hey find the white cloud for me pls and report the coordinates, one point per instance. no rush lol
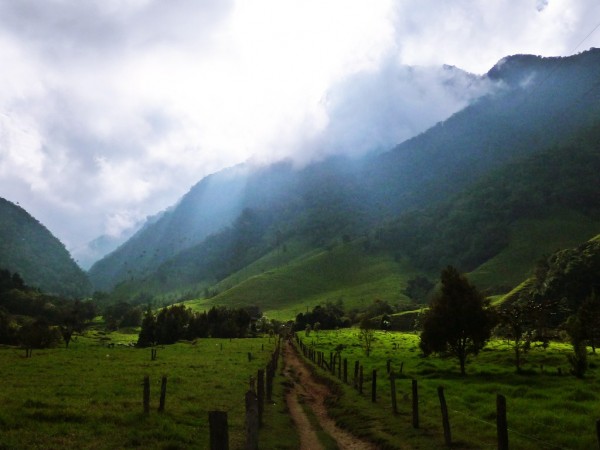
(111, 109)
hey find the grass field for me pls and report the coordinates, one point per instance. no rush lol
(90, 396)
(545, 409)
(345, 272)
(529, 241)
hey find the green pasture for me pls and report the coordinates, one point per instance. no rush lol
(530, 240)
(90, 395)
(546, 409)
(344, 272)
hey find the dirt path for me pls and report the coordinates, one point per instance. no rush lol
(306, 387)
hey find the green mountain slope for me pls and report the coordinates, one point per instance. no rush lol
(346, 272)
(529, 241)
(551, 188)
(28, 248)
(454, 195)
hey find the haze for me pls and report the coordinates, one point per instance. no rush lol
(111, 110)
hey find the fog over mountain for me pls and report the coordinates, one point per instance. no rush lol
(111, 110)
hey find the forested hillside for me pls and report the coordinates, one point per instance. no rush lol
(28, 248)
(449, 195)
(474, 225)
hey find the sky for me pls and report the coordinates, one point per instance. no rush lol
(110, 110)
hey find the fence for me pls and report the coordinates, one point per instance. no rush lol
(259, 392)
(337, 366)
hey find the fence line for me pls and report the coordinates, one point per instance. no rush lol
(317, 357)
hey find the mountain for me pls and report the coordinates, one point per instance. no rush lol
(233, 219)
(28, 248)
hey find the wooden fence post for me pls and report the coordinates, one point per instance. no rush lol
(270, 375)
(345, 370)
(340, 367)
(445, 419)
(415, 404)
(146, 394)
(393, 392)
(219, 434)
(374, 386)
(501, 422)
(260, 393)
(163, 394)
(251, 421)
(360, 380)
(355, 380)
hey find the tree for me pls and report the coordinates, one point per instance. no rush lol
(458, 322)
(366, 335)
(147, 336)
(518, 323)
(578, 359)
(589, 317)
(73, 318)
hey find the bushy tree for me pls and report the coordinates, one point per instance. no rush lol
(458, 322)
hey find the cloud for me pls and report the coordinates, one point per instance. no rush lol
(111, 109)
(375, 110)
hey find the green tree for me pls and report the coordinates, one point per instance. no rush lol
(366, 335)
(578, 359)
(458, 322)
(517, 324)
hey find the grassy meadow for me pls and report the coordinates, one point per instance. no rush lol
(545, 409)
(90, 396)
(344, 272)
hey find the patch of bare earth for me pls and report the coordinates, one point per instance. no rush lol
(313, 394)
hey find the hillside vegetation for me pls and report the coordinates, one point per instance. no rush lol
(346, 272)
(462, 193)
(28, 248)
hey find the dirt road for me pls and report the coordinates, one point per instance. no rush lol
(306, 389)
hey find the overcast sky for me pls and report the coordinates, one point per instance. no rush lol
(110, 110)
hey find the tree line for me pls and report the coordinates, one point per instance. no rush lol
(177, 322)
(32, 319)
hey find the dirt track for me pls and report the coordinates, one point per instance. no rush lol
(312, 393)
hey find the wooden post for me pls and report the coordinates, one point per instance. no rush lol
(269, 388)
(163, 394)
(346, 370)
(374, 386)
(360, 380)
(415, 404)
(393, 392)
(388, 365)
(331, 362)
(251, 421)
(146, 394)
(445, 419)
(401, 366)
(355, 380)
(501, 423)
(340, 367)
(219, 434)
(260, 393)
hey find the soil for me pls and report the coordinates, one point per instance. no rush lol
(306, 389)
